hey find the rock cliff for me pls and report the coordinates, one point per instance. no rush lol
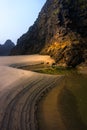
(5, 49)
(60, 31)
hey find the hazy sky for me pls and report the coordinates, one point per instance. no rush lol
(16, 16)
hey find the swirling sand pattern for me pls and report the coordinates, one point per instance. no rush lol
(20, 91)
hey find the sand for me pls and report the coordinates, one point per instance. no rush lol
(21, 90)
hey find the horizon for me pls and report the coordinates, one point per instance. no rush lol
(16, 17)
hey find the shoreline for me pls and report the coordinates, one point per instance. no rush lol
(13, 114)
(30, 91)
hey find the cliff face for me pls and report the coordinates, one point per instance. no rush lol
(5, 49)
(60, 31)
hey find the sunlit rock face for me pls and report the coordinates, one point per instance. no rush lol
(60, 31)
(5, 49)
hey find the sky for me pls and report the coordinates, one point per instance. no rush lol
(16, 16)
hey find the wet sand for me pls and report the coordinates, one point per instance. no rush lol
(34, 101)
(64, 107)
(20, 92)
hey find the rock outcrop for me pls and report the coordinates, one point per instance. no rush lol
(6, 48)
(60, 31)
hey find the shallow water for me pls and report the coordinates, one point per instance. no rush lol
(65, 106)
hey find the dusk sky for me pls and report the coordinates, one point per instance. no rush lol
(16, 16)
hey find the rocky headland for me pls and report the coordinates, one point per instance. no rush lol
(60, 31)
(5, 49)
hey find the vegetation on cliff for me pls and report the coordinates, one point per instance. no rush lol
(60, 31)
